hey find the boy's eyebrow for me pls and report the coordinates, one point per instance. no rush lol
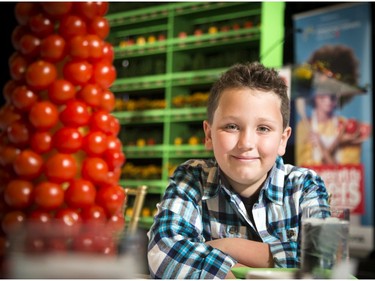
(259, 119)
(262, 119)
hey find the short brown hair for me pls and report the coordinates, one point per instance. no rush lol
(253, 75)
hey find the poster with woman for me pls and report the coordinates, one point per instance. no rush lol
(333, 103)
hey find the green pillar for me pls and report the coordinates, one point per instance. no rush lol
(272, 34)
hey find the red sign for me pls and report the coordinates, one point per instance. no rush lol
(345, 185)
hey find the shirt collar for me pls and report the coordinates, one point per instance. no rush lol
(274, 184)
(213, 181)
(273, 187)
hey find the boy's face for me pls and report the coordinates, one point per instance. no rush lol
(246, 136)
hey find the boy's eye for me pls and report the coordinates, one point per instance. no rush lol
(263, 129)
(231, 127)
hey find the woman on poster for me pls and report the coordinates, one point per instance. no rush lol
(325, 137)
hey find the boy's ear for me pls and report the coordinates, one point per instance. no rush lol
(284, 141)
(207, 133)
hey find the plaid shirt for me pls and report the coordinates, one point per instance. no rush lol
(197, 207)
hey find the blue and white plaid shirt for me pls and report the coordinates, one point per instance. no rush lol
(197, 207)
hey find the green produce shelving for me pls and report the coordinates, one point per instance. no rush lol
(159, 54)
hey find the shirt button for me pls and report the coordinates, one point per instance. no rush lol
(232, 230)
(290, 233)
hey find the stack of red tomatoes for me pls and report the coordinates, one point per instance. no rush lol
(60, 157)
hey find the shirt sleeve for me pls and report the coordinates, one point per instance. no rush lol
(177, 247)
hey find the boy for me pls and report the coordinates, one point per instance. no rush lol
(242, 208)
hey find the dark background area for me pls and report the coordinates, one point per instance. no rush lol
(8, 24)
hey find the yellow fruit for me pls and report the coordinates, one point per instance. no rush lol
(141, 142)
(178, 141)
(212, 30)
(193, 140)
(141, 40)
(129, 212)
(146, 212)
(151, 39)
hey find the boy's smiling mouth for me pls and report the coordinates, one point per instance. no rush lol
(245, 158)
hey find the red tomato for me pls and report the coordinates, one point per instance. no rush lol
(18, 133)
(8, 154)
(68, 222)
(30, 45)
(23, 98)
(18, 65)
(17, 34)
(85, 242)
(106, 244)
(8, 115)
(78, 72)
(72, 25)
(93, 215)
(75, 114)
(79, 48)
(80, 194)
(8, 89)
(111, 198)
(113, 176)
(60, 168)
(364, 130)
(90, 10)
(61, 91)
(114, 158)
(24, 10)
(104, 74)
(41, 25)
(91, 94)
(351, 126)
(57, 9)
(107, 101)
(116, 223)
(13, 222)
(41, 141)
(99, 26)
(44, 115)
(94, 169)
(28, 164)
(53, 48)
(95, 143)
(115, 126)
(114, 143)
(67, 140)
(18, 194)
(108, 54)
(40, 74)
(48, 195)
(102, 120)
(40, 220)
(95, 46)
(34, 244)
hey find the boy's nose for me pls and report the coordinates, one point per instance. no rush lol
(246, 140)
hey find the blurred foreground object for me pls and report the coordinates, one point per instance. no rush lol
(90, 252)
